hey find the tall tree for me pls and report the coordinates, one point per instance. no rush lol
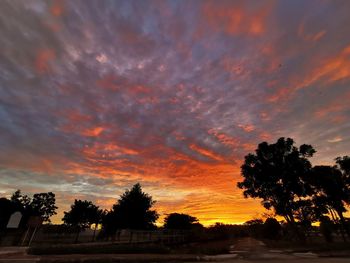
(43, 204)
(133, 210)
(276, 174)
(331, 190)
(179, 221)
(81, 215)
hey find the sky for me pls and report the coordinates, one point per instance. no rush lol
(96, 96)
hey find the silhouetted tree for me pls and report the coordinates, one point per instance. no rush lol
(331, 190)
(82, 215)
(252, 222)
(179, 221)
(133, 211)
(276, 174)
(43, 204)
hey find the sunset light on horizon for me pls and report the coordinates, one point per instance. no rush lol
(96, 96)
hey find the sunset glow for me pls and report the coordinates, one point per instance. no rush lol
(96, 96)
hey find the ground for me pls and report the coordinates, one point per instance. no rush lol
(243, 251)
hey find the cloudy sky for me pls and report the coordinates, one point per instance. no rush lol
(98, 95)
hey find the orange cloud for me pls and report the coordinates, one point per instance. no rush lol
(265, 136)
(73, 121)
(310, 36)
(247, 127)
(43, 59)
(264, 116)
(281, 93)
(224, 138)
(57, 8)
(249, 147)
(115, 83)
(107, 82)
(330, 70)
(237, 19)
(205, 152)
(339, 104)
(93, 132)
(107, 149)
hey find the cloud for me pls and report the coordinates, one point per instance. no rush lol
(95, 97)
(237, 18)
(336, 139)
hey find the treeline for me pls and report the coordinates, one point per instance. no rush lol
(133, 210)
(281, 175)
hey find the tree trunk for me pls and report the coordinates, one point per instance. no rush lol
(343, 224)
(294, 226)
(77, 236)
(336, 221)
(333, 215)
(287, 219)
(93, 236)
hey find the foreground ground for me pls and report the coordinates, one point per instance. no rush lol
(244, 250)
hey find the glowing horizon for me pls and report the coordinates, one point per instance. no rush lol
(95, 97)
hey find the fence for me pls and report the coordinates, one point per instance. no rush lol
(23, 237)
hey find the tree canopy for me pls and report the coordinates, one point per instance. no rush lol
(282, 176)
(43, 204)
(132, 211)
(276, 173)
(179, 221)
(82, 214)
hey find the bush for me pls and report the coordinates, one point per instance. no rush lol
(271, 229)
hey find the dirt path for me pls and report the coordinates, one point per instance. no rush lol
(249, 245)
(250, 248)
